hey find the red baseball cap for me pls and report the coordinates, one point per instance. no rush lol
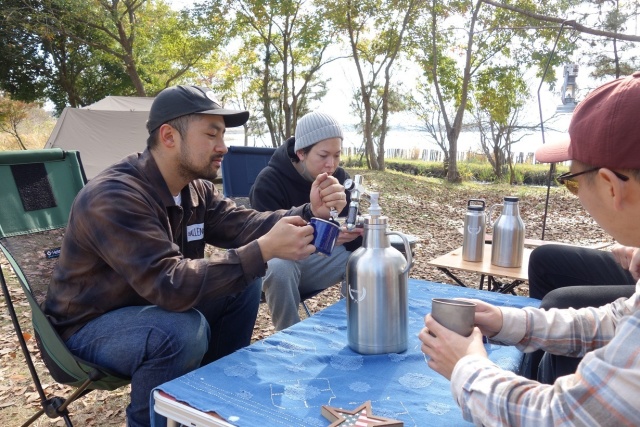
(604, 129)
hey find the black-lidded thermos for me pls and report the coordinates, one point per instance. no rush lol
(474, 228)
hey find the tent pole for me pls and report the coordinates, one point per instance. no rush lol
(551, 167)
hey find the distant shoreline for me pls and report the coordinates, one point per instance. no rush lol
(410, 139)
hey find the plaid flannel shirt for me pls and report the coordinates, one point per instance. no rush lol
(604, 391)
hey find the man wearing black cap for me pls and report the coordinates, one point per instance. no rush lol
(604, 149)
(132, 291)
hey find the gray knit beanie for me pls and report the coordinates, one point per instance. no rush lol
(315, 127)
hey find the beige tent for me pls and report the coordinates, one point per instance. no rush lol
(122, 103)
(110, 129)
(103, 132)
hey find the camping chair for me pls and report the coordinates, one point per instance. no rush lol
(37, 188)
(240, 167)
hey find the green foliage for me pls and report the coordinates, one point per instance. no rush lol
(353, 162)
(614, 58)
(77, 52)
(500, 93)
(290, 39)
(378, 33)
(468, 67)
(266, 55)
(501, 90)
(22, 63)
(172, 46)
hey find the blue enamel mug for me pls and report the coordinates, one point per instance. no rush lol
(325, 234)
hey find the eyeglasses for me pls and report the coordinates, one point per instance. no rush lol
(569, 179)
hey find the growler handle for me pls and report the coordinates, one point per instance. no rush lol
(491, 212)
(407, 249)
(476, 200)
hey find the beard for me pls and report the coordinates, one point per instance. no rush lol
(189, 170)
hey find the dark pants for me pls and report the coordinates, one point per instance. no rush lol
(570, 277)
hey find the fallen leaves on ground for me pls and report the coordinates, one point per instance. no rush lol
(425, 208)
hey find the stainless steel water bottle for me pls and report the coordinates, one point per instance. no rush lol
(473, 234)
(507, 248)
(377, 301)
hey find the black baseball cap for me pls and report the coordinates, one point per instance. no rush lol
(178, 101)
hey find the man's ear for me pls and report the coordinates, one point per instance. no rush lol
(616, 188)
(167, 135)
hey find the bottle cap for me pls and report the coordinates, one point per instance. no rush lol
(374, 208)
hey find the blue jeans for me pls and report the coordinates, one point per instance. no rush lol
(153, 346)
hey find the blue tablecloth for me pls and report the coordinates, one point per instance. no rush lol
(285, 379)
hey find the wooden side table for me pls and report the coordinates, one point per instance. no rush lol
(453, 261)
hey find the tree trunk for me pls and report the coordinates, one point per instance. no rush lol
(132, 72)
(370, 154)
(266, 104)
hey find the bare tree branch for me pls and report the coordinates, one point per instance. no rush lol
(568, 23)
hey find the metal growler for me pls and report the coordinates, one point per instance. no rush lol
(377, 301)
(507, 248)
(473, 234)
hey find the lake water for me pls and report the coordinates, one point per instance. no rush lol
(414, 139)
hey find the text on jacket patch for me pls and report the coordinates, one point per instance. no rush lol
(195, 232)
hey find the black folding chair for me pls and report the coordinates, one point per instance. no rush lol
(37, 188)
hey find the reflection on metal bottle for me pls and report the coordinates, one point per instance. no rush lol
(474, 227)
(377, 295)
(508, 235)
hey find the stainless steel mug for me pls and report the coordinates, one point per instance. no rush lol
(455, 315)
(507, 248)
(474, 228)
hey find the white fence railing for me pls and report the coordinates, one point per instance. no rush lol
(431, 155)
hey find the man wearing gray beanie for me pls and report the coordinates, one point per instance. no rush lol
(286, 181)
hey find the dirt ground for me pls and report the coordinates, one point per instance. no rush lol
(425, 208)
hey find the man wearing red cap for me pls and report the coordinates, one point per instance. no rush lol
(605, 175)
(132, 291)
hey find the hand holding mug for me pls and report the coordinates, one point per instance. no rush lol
(290, 238)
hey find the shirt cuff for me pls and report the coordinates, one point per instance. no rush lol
(514, 326)
(253, 265)
(465, 372)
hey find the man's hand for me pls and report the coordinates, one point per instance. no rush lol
(326, 193)
(290, 238)
(346, 236)
(628, 258)
(446, 348)
(488, 317)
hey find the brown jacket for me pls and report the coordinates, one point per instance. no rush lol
(128, 244)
